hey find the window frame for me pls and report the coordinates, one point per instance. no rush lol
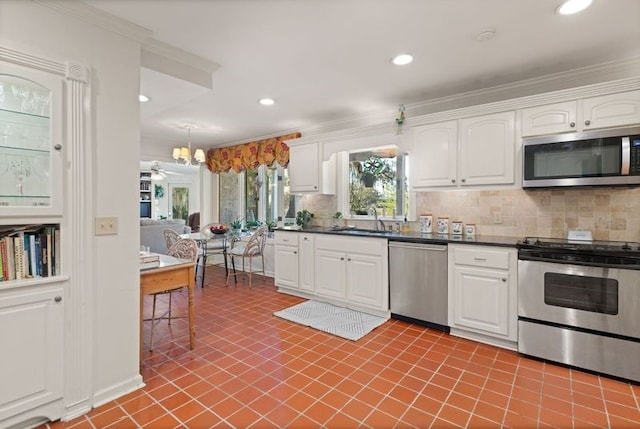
(263, 193)
(343, 180)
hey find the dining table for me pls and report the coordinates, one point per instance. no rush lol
(210, 244)
(170, 274)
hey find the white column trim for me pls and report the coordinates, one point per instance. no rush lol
(80, 211)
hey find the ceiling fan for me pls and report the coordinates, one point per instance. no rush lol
(159, 173)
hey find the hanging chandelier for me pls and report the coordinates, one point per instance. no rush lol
(183, 154)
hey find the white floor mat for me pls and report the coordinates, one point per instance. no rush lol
(340, 321)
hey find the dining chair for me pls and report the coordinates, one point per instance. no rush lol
(216, 244)
(252, 248)
(184, 249)
(170, 237)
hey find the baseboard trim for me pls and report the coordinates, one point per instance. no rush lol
(103, 396)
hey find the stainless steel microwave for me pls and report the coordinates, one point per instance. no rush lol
(592, 158)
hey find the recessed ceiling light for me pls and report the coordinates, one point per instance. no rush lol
(143, 98)
(266, 101)
(570, 7)
(402, 59)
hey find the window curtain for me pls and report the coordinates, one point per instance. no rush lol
(249, 156)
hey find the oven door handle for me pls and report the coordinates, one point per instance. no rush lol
(581, 263)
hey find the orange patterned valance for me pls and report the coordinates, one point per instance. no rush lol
(249, 156)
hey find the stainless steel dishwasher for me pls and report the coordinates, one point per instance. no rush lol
(418, 283)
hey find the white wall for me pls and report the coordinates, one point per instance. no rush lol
(189, 180)
(115, 66)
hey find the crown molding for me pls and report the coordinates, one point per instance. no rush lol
(590, 75)
(98, 18)
(333, 139)
(563, 81)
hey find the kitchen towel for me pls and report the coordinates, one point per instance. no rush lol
(340, 321)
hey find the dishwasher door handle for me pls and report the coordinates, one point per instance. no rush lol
(437, 247)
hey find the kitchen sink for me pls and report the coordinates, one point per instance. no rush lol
(362, 230)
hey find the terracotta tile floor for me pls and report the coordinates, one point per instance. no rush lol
(251, 369)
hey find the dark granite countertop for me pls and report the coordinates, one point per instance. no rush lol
(412, 236)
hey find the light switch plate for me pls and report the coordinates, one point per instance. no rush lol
(106, 225)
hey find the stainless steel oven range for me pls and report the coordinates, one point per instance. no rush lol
(579, 304)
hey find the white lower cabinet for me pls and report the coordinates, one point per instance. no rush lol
(482, 294)
(354, 270)
(331, 279)
(31, 374)
(293, 254)
(346, 271)
(306, 268)
(365, 274)
(286, 259)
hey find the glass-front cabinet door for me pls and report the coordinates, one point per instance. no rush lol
(30, 142)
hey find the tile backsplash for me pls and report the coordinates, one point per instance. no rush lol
(610, 213)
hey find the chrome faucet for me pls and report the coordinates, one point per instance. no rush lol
(373, 212)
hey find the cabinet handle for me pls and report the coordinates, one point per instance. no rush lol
(453, 180)
(315, 187)
(342, 259)
(504, 279)
(464, 180)
(349, 259)
(572, 124)
(285, 240)
(305, 238)
(295, 253)
(587, 122)
(480, 259)
(57, 146)
(57, 298)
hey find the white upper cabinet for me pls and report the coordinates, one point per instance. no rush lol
(487, 149)
(614, 110)
(308, 172)
(433, 157)
(550, 119)
(31, 151)
(473, 151)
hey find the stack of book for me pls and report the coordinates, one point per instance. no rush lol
(29, 251)
(149, 260)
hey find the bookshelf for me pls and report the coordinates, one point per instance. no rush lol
(29, 252)
(145, 194)
(33, 280)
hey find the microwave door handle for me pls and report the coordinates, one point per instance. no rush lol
(626, 156)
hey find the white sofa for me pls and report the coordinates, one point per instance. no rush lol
(152, 232)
